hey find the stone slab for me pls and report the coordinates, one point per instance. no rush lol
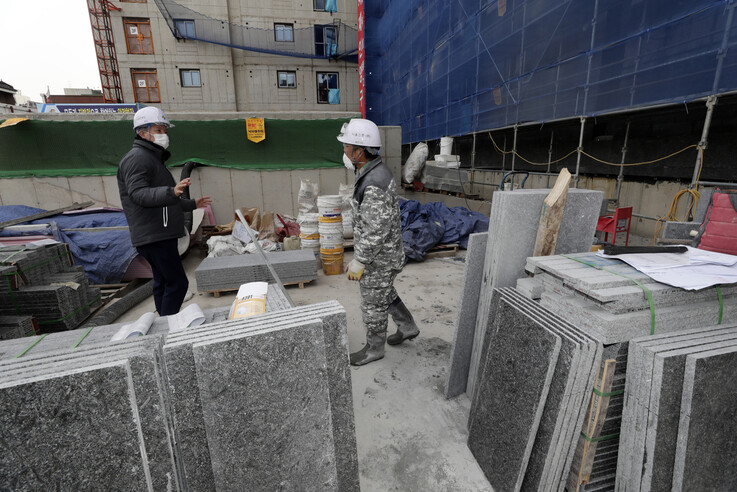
(272, 429)
(465, 326)
(514, 220)
(706, 453)
(521, 362)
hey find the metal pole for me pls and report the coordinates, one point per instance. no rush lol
(580, 149)
(514, 146)
(473, 153)
(620, 176)
(550, 154)
(263, 256)
(711, 101)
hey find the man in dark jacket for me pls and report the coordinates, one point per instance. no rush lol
(378, 253)
(153, 206)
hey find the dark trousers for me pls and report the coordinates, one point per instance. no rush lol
(170, 280)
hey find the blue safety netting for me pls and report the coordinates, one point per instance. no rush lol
(332, 40)
(426, 226)
(453, 67)
(104, 254)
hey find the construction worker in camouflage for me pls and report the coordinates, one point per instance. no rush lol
(378, 254)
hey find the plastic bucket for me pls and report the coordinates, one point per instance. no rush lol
(331, 233)
(332, 260)
(330, 205)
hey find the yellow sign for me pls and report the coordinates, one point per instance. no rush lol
(255, 129)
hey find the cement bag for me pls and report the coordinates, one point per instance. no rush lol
(307, 197)
(415, 163)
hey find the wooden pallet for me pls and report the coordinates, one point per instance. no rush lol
(111, 293)
(219, 292)
(442, 251)
(451, 193)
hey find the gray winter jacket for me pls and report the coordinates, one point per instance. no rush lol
(377, 227)
(146, 188)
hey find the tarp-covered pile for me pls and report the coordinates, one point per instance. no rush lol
(105, 254)
(425, 226)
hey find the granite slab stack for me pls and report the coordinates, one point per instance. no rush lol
(465, 325)
(261, 403)
(679, 427)
(290, 426)
(41, 282)
(229, 272)
(87, 419)
(530, 403)
(443, 178)
(82, 337)
(514, 220)
(17, 327)
(604, 299)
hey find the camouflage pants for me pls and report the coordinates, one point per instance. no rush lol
(377, 293)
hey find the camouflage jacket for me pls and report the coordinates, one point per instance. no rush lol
(377, 227)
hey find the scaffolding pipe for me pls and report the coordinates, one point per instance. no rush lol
(473, 153)
(514, 147)
(711, 101)
(579, 150)
(620, 176)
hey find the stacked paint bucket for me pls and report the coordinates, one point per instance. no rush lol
(330, 225)
(309, 234)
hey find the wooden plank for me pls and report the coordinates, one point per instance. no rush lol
(43, 215)
(552, 215)
(219, 292)
(583, 459)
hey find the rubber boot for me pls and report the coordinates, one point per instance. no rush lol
(373, 350)
(406, 327)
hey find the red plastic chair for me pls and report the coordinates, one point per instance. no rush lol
(612, 224)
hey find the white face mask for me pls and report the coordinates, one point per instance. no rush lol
(161, 139)
(347, 162)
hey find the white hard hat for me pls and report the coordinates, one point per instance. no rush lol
(150, 116)
(363, 133)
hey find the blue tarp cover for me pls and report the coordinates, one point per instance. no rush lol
(425, 226)
(105, 255)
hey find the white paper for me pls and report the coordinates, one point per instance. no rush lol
(696, 269)
(136, 329)
(240, 232)
(188, 317)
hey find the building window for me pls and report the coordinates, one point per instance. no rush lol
(287, 79)
(327, 88)
(185, 28)
(190, 78)
(138, 36)
(326, 41)
(325, 5)
(284, 32)
(146, 85)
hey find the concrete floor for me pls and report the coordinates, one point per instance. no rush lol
(409, 437)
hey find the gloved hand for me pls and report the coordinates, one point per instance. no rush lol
(355, 270)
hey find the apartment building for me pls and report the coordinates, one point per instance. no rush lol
(230, 55)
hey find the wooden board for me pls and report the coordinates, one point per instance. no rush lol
(552, 215)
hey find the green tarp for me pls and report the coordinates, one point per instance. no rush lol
(94, 148)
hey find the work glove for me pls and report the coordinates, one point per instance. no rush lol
(355, 270)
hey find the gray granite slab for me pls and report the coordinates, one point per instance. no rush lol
(506, 411)
(706, 453)
(514, 221)
(465, 326)
(266, 408)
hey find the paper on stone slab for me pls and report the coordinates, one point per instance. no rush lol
(188, 317)
(136, 329)
(250, 300)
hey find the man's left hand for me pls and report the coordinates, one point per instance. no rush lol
(355, 270)
(203, 202)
